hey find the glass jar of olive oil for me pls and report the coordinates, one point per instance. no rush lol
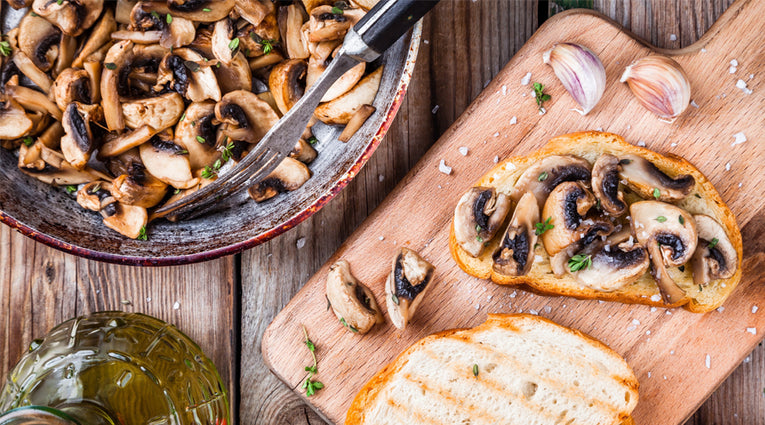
(114, 368)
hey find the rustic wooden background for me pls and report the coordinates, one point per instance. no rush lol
(226, 304)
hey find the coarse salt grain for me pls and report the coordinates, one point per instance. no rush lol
(599, 129)
(435, 109)
(648, 332)
(754, 309)
(748, 359)
(727, 167)
(478, 306)
(656, 298)
(442, 167)
(672, 145)
(653, 309)
(148, 299)
(672, 352)
(708, 361)
(300, 243)
(504, 90)
(673, 37)
(176, 305)
(513, 294)
(496, 159)
(742, 85)
(694, 104)
(463, 150)
(732, 70)
(526, 79)
(533, 312)
(738, 138)
(649, 374)
(426, 41)
(752, 331)
(538, 258)
(641, 143)
(496, 134)
(720, 309)
(703, 50)
(733, 62)
(631, 328)
(635, 322)
(547, 309)
(513, 120)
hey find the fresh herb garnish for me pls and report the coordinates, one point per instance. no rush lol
(579, 262)
(192, 66)
(95, 188)
(661, 219)
(183, 117)
(71, 188)
(177, 191)
(28, 141)
(201, 139)
(266, 45)
(59, 2)
(234, 44)
(542, 177)
(142, 234)
(169, 18)
(181, 152)
(226, 152)
(656, 193)
(479, 238)
(395, 299)
(475, 370)
(313, 140)
(206, 9)
(544, 226)
(701, 288)
(5, 48)
(209, 173)
(155, 15)
(697, 195)
(540, 96)
(713, 243)
(681, 219)
(309, 385)
(478, 228)
(336, 10)
(110, 65)
(344, 323)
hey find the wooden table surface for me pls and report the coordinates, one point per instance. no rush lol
(226, 304)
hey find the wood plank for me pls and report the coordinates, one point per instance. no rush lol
(267, 288)
(421, 201)
(41, 287)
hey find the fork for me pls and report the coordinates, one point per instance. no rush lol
(382, 26)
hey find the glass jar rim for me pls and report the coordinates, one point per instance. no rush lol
(36, 415)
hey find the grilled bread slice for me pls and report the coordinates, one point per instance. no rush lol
(512, 369)
(703, 199)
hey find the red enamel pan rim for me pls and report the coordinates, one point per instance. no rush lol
(238, 247)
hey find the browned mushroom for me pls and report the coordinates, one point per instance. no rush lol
(14, 122)
(287, 83)
(72, 17)
(79, 142)
(159, 112)
(648, 181)
(288, 176)
(72, 85)
(408, 283)
(351, 301)
(515, 254)
(198, 135)
(138, 187)
(477, 218)
(167, 161)
(98, 38)
(244, 116)
(341, 110)
(39, 41)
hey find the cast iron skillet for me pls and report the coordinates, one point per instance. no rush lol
(53, 217)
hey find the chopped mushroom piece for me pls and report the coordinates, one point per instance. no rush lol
(96, 196)
(49, 166)
(291, 22)
(605, 185)
(245, 116)
(159, 112)
(352, 302)
(138, 187)
(254, 11)
(14, 122)
(118, 145)
(358, 119)
(234, 76)
(39, 41)
(515, 254)
(31, 71)
(478, 216)
(342, 109)
(33, 100)
(128, 220)
(568, 210)
(287, 83)
(79, 142)
(325, 25)
(303, 152)
(614, 264)
(223, 46)
(715, 257)
(406, 287)
(72, 17)
(198, 135)
(288, 176)
(543, 176)
(167, 161)
(205, 11)
(72, 85)
(98, 38)
(185, 71)
(648, 181)
(669, 234)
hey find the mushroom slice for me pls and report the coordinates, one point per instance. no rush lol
(407, 284)
(346, 82)
(648, 181)
(477, 217)
(159, 112)
(566, 210)
(515, 254)
(352, 302)
(543, 176)
(79, 142)
(234, 76)
(288, 176)
(127, 220)
(138, 37)
(167, 161)
(178, 33)
(97, 196)
(39, 41)
(28, 68)
(669, 234)
(138, 187)
(324, 25)
(72, 85)
(222, 46)
(254, 11)
(287, 83)
(184, 70)
(100, 36)
(303, 152)
(204, 11)
(605, 185)
(341, 110)
(120, 144)
(49, 166)
(119, 56)
(72, 17)
(33, 100)
(612, 264)
(245, 116)
(715, 256)
(291, 22)
(357, 120)
(197, 134)
(14, 122)
(51, 137)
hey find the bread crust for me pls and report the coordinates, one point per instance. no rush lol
(589, 145)
(376, 386)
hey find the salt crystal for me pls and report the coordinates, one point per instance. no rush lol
(526, 79)
(489, 297)
(738, 138)
(380, 177)
(653, 309)
(740, 184)
(720, 309)
(599, 129)
(672, 145)
(442, 167)
(727, 167)
(733, 62)
(672, 37)
(513, 120)
(655, 298)
(478, 306)
(435, 109)
(513, 294)
(631, 328)
(548, 309)
(703, 50)
(426, 41)
(649, 374)
(708, 361)
(382, 238)
(496, 159)
(648, 332)
(148, 299)
(635, 321)
(601, 302)
(463, 150)
(751, 76)
(300, 243)
(694, 104)
(742, 85)
(538, 259)
(641, 143)
(496, 134)
(754, 309)
(732, 70)
(176, 306)
(672, 352)
(748, 359)
(752, 331)
(504, 90)
(533, 312)
(665, 377)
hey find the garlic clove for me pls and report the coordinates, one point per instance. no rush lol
(660, 84)
(580, 71)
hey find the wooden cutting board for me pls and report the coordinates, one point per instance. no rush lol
(679, 357)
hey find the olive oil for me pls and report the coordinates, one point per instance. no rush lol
(117, 368)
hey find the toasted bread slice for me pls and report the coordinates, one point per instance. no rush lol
(703, 199)
(512, 369)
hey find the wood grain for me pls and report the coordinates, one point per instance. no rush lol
(667, 350)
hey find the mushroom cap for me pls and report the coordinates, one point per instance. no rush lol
(198, 135)
(351, 301)
(72, 85)
(543, 176)
(96, 196)
(645, 178)
(254, 11)
(243, 109)
(515, 254)
(168, 162)
(235, 75)
(567, 209)
(615, 263)
(128, 220)
(408, 282)
(202, 83)
(138, 187)
(289, 175)
(14, 122)
(715, 257)
(79, 142)
(159, 113)
(287, 83)
(605, 185)
(223, 33)
(478, 216)
(39, 40)
(71, 17)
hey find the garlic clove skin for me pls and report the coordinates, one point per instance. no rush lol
(580, 71)
(660, 84)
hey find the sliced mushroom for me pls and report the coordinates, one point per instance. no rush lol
(614, 263)
(648, 181)
(204, 11)
(406, 287)
(515, 254)
(260, 40)
(159, 112)
(287, 83)
(234, 76)
(244, 116)
(198, 135)
(715, 257)
(72, 85)
(124, 142)
(66, 52)
(97, 196)
(605, 185)
(118, 57)
(346, 82)
(31, 71)
(51, 137)
(254, 11)
(33, 100)
(49, 166)
(303, 152)
(167, 161)
(669, 234)
(183, 71)
(138, 187)
(222, 37)
(100, 36)
(79, 141)
(72, 17)
(355, 123)
(478, 216)
(324, 25)
(341, 110)
(352, 302)
(291, 22)
(39, 41)
(288, 176)
(14, 122)
(127, 220)
(178, 33)
(566, 210)
(543, 176)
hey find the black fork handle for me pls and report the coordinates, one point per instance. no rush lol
(385, 23)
